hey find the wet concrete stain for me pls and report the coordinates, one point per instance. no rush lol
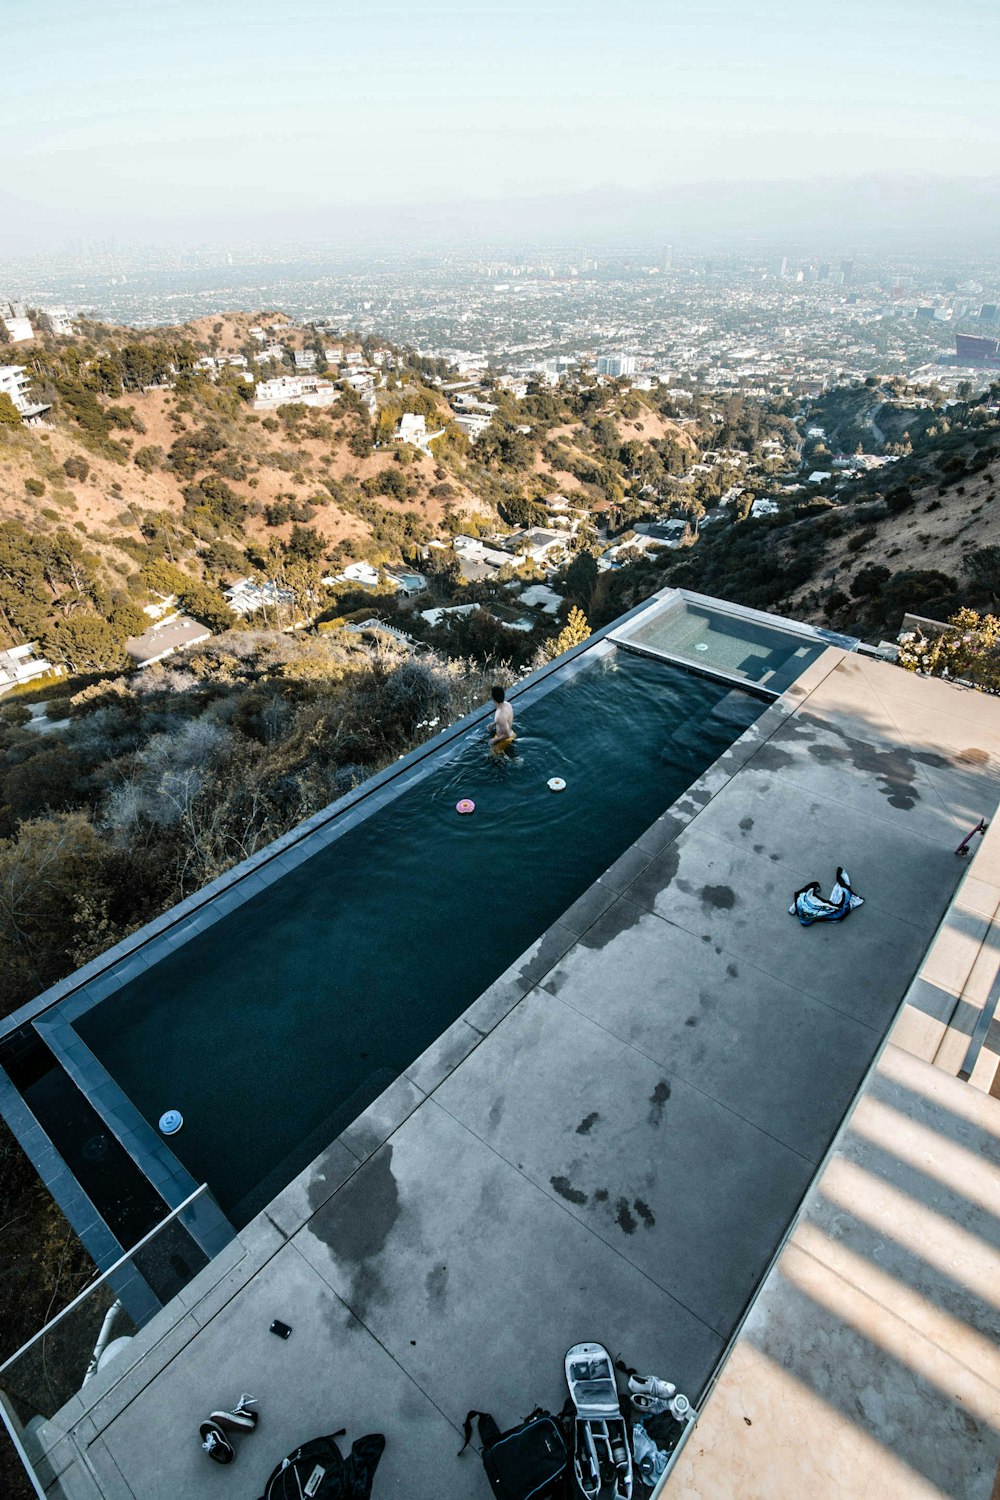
(624, 1218)
(732, 971)
(565, 1189)
(645, 1213)
(720, 897)
(758, 848)
(665, 866)
(658, 876)
(746, 824)
(657, 1101)
(706, 937)
(601, 1195)
(770, 758)
(619, 918)
(357, 1238)
(894, 769)
(587, 1124)
(436, 1285)
(692, 1021)
(549, 950)
(490, 1203)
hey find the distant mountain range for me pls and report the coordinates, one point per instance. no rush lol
(892, 210)
(914, 212)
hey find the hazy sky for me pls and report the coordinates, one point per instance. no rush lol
(180, 118)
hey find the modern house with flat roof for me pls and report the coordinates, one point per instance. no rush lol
(758, 1158)
(307, 390)
(14, 382)
(161, 640)
(19, 664)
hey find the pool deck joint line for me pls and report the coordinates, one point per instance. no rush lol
(613, 1142)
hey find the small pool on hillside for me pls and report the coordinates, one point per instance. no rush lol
(283, 1015)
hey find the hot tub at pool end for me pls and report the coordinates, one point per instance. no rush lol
(759, 651)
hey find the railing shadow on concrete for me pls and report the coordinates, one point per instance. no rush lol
(91, 1339)
(884, 1310)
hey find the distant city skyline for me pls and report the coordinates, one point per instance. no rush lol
(185, 121)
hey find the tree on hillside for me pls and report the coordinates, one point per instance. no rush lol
(574, 633)
(518, 510)
(983, 567)
(207, 604)
(9, 414)
(306, 543)
(83, 643)
(579, 579)
(43, 872)
(606, 436)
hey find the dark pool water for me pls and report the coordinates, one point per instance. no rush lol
(271, 1030)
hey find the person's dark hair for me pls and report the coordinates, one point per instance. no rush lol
(497, 694)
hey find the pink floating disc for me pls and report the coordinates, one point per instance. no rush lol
(465, 806)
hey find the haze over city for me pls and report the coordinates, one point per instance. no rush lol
(184, 123)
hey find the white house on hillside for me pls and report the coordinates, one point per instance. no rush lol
(245, 597)
(14, 382)
(536, 542)
(308, 390)
(412, 429)
(57, 320)
(19, 330)
(362, 573)
(19, 664)
(473, 424)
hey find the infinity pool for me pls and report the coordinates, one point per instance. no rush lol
(274, 1027)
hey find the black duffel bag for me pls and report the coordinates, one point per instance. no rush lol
(319, 1471)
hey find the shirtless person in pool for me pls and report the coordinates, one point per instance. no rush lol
(502, 728)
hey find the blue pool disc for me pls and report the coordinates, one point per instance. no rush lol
(171, 1121)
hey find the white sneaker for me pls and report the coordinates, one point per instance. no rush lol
(649, 1406)
(650, 1385)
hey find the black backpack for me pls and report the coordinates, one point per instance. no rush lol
(530, 1462)
(319, 1471)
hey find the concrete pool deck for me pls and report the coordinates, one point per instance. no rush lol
(612, 1143)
